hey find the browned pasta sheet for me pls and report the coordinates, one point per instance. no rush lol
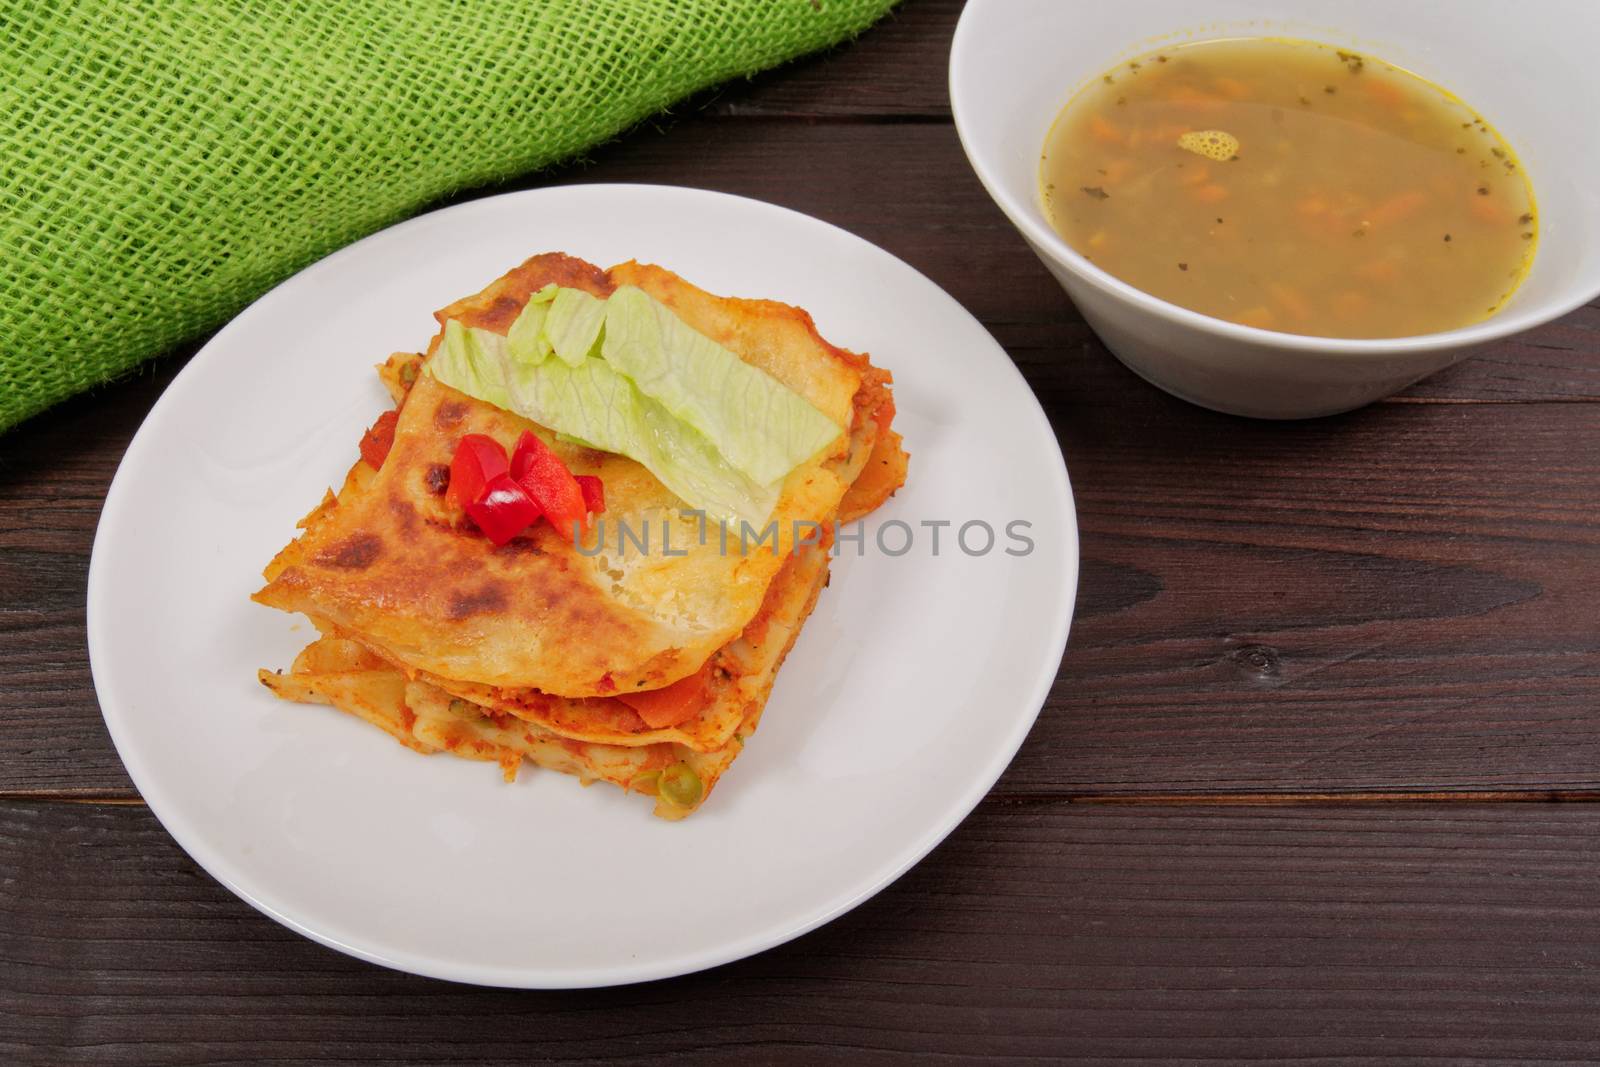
(516, 652)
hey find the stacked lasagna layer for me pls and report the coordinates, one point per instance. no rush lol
(641, 653)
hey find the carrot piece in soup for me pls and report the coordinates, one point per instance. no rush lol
(1116, 170)
(1260, 317)
(1385, 92)
(1291, 299)
(1191, 99)
(1379, 271)
(1311, 206)
(1351, 304)
(1397, 208)
(1487, 210)
(1232, 88)
(1104, 131)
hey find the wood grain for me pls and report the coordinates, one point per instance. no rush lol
(1038, 931)
(1280, 627)
(1398, 599)
(895, 72)
(1402, 599)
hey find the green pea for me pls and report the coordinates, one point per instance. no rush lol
(679, 785)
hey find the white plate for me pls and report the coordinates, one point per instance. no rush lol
(908, 692)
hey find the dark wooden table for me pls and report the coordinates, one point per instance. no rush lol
(1297, 792)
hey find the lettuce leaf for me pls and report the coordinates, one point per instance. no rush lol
(758, 424)
(593, 403)
(631, 377)
(473, 361)
(573, 325)
(527, 339)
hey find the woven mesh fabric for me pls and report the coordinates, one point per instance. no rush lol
(163, 162)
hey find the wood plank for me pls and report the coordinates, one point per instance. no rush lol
(1402, 599)
(54, 473)
(1399, 598)
(894, 71)
(1040, 930)
(1414, 577)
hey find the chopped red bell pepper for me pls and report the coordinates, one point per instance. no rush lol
(377, 441)
(547, 480)
(504, 510)
(594, 492)
(478, 460)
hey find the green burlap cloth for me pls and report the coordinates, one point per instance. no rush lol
(164, 162)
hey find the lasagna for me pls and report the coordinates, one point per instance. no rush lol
(639, 646)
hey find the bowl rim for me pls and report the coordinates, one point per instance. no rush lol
(1047, 241)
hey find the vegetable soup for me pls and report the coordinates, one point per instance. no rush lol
(1293, 187)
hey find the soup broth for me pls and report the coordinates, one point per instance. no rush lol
(1293, 187)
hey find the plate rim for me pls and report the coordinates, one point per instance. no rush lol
(168, 811)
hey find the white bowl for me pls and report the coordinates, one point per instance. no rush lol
(1529, 69)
